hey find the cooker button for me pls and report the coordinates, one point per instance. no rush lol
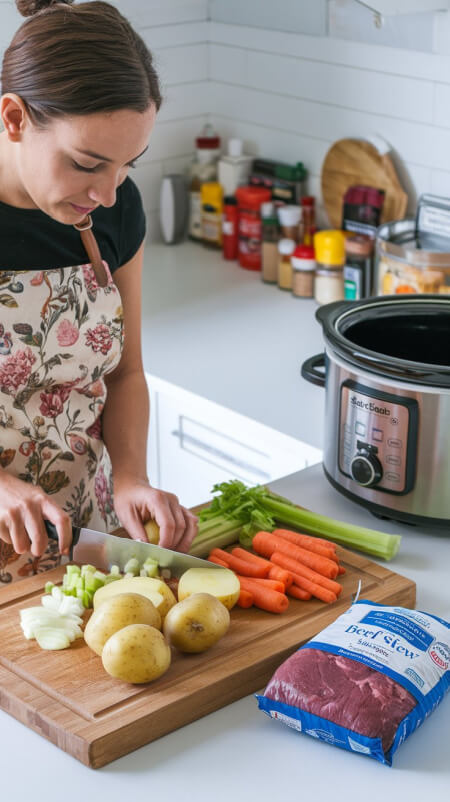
(377, 435)
(392, 477)
(366, 470)
(393, 460)
(360, 427)
(394, 443)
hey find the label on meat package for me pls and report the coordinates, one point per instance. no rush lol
(411, 647)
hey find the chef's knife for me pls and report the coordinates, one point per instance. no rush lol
(103, 551)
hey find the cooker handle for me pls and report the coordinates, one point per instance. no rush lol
(309, 370)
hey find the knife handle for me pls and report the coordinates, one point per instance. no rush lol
(52, 533)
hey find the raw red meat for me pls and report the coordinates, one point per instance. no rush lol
(343, 691)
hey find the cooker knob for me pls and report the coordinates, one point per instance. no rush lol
(366, 469)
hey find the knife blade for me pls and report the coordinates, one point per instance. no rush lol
(104, 550)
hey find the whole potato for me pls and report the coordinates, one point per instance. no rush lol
(137, 653)
(196, 623)
(118, 612)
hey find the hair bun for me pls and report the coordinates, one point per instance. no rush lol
(27, 8)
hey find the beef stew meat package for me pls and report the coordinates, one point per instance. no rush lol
(367, 681)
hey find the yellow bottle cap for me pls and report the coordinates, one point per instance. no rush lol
(330, 247)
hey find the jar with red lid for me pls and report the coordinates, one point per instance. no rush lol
(303, 262)
(249, 200)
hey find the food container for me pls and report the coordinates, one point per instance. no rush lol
(413, 255)
(304, 266)
(249, 201)
(330, 257)
(286, 248)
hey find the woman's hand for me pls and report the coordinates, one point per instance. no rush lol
(23, 508)
(135, 502)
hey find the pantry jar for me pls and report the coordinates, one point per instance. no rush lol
(289, 217)
(358, 267)
(329, 247)
(286, 248)
(270, 256)
(304, 266)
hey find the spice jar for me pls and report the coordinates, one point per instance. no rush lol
(289, 217)
(250, 229)
(270, 237)
(358, 267)
(212, 201)
(230, 228)
(308, 219)
(286, 248)
(304, 265)
(330, 258)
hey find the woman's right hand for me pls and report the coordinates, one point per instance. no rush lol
(23, 508)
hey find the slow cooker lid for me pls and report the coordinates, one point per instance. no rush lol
(408, 338)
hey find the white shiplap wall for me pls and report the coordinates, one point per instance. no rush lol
(177, 32)
(289, 96)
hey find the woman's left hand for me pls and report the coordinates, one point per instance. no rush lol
(135, 502)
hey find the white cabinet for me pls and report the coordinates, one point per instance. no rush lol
(195, 443)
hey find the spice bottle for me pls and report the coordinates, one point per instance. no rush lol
(204, 168)
(304, 265)
(289, 217)
(234, 167)
(308, 219)
(270, 235)
(230, 228)
(286, 248)
(358, 267)
(250, 228)
(211, 200)
(329, 247)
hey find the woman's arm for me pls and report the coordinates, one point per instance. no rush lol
(125, 430)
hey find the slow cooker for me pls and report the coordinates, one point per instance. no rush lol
(386, 373)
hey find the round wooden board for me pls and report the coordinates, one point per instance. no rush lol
(355, 161)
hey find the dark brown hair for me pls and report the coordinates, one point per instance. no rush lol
(78, 59)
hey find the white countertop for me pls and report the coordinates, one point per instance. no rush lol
(238, 753)
(217, 330)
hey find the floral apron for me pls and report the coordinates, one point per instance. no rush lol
(61, 332)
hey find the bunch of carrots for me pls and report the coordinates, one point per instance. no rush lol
(285, 564)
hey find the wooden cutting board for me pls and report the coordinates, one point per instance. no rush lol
(356, 161)
(67, 697)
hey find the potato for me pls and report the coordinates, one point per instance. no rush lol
(155, 589)
(137, 653)
(196, 623)
(118, 612)
(152, 531)
(219, 582)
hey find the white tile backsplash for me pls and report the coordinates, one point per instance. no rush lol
(288, 95)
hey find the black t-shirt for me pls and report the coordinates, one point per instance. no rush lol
(31, 240)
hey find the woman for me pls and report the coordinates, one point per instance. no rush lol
(80, 96)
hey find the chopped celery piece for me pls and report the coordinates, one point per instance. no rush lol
(93, 582)
(151, 570)
(132, 567)
(49, 587)
(115, 570)
(111, 578)
(88, 569)
(73, 569)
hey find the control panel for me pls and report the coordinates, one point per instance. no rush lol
(377, 438)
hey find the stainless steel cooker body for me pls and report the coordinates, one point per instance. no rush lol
(386, 439)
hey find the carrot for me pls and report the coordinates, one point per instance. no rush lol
(274, 573)
(217, 561)
(341, 570)
(298, 593)
(273, 584)
(265, 598)
(297, 568)
(245, 599)
(240, 566)
(328, 543)
(243, 554)
(307, 542)
(265, 543)
(283, 576)
(318, 591)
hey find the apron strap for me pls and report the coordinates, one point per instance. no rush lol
(92, 250)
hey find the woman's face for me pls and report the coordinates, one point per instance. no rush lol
(75, 164)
